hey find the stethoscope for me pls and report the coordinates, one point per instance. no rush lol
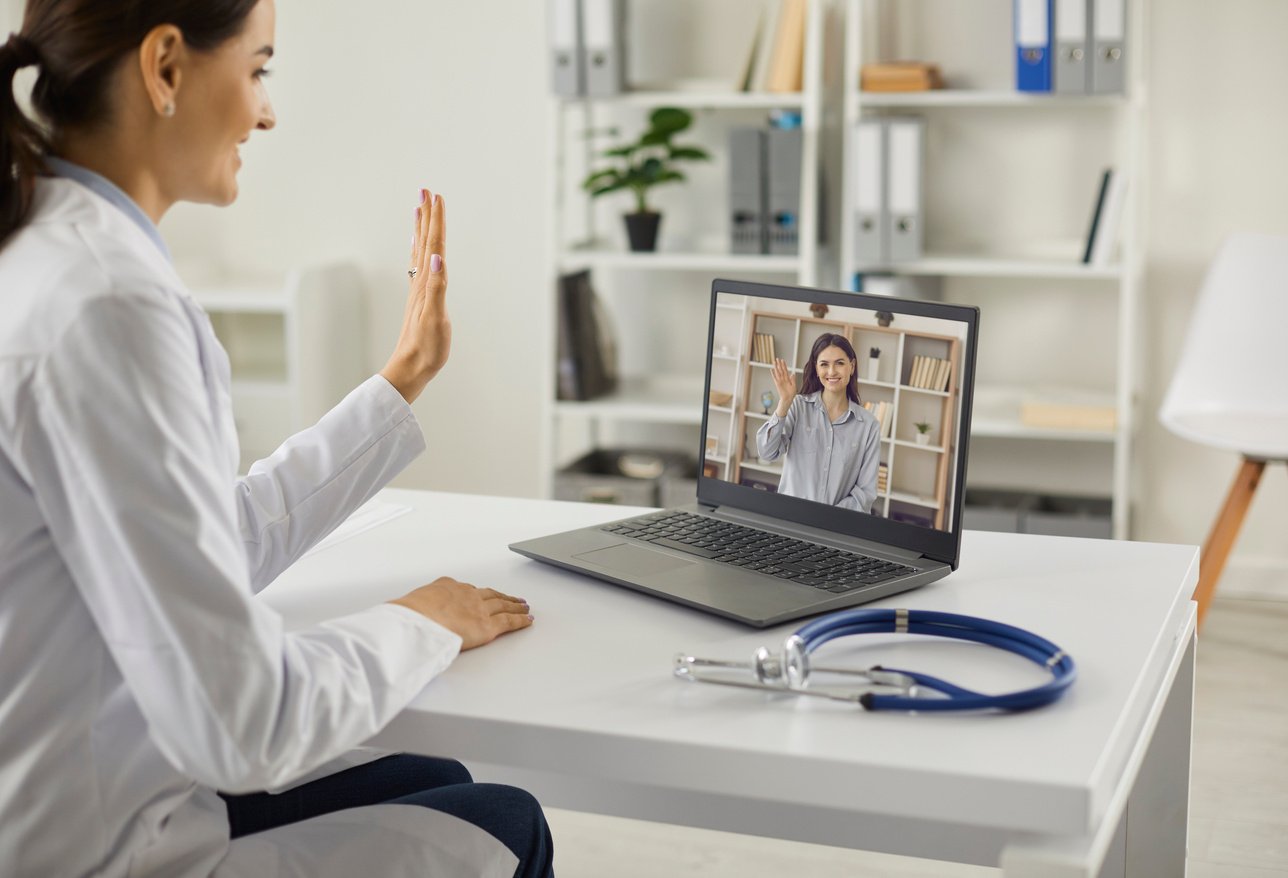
(790, 672)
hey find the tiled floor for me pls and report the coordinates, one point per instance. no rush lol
(1238, 803)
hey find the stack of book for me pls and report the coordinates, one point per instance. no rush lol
(900, 76)
(883, 412)
(762, 348)
(883, 479)
(1069, 409)
(930, 373)
(775, 62)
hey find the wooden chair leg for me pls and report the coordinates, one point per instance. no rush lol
(1225, 530)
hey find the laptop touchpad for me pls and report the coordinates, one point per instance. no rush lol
(632, 559)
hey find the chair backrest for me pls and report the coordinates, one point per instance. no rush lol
(1230, 387)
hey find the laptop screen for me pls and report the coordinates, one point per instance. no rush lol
(839, 410)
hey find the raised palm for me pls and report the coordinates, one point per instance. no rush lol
(785, 383)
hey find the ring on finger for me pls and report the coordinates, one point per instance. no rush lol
(411, 272)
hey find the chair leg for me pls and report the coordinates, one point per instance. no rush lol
(1225, 530)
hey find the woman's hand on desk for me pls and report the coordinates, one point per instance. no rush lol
(478, 615)
(426, 336)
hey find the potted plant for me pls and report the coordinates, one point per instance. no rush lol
(923, 433)
(648, 162)
(874, 363)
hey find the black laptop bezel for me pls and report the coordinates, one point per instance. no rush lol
(939, 545)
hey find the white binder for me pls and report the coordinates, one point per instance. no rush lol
(1072, 72)
(1109, 59)
(870, 248)
(904, 141)
(567, 70)
(604, 24)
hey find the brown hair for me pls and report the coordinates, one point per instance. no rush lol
(810, 382)
(77, 45)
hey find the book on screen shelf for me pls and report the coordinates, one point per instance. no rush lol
(929, 373)
(883, 412)
(763, 348)
(1069, 409)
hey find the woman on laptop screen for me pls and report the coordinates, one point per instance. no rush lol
(830, 441)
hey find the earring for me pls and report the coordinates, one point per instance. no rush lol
(168, 109)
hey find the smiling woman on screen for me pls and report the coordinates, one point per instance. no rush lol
(831, 443)
(148, 699)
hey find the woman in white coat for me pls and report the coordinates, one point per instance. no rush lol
(147, 699)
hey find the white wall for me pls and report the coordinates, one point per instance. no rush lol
(372, 103)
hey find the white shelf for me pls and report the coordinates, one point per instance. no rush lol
(928, 502)
(720, 408)
(758, 415)
(662, 400)
(946, 265)
(925, 391)
(904, 443)
(997, 416)
(712, 261)
(964, 97)
(243, 299)
(727, 357)
(696, 99)
(762, 468)
(887, 384)
(715, 458)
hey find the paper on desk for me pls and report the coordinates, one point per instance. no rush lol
(371, 514)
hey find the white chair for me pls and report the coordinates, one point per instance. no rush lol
(1230, 389)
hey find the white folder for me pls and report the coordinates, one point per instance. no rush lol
(904, 143)
(868, 162)
(1072, 73)
(604, 24)
(1109, 55)
(567, 71)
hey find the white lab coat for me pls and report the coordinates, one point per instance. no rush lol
(138, 673)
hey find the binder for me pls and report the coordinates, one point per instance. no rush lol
(1033, 45)
(904, 140)
(783, 156)
(567, 70)
(603, 26)
(1102, 248)
(1072, 73)
(747, 190)
(1109, 33)
(870, 248)
(1094, 230)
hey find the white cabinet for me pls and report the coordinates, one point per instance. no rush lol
(295, 347)
(658, 302)
(1009, 183)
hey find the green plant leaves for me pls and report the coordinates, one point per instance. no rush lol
(647, 161)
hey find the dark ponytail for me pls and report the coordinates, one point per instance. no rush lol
(21, 142)
(77, 45)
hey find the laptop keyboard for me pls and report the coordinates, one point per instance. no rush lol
(802, 562)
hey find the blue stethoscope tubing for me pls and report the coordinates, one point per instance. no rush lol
(985, 631)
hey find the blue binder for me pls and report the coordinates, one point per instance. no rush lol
(1033, 33)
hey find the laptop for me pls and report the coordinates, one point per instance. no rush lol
(834, 501)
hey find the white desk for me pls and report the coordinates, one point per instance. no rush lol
(582, 709)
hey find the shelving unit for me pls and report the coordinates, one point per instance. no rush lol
(1030, 162)
(295, 349)
(657, 302)
(917, 475)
